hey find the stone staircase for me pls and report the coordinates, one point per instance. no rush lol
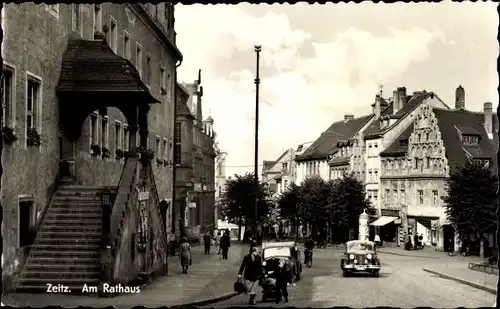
(67, 247)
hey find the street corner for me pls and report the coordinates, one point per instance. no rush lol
(475, 279)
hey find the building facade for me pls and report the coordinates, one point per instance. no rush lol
(53, 62)
(220, 180)
(198, 202)
(416, 166)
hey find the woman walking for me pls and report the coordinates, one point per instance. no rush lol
(217, 241)
(185, 255)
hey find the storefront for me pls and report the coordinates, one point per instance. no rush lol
(387, 226)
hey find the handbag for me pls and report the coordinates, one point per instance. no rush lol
(239, 286)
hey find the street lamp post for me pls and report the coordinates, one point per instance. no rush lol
(257, 49)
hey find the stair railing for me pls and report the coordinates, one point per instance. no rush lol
(114, 220)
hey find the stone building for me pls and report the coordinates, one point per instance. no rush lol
(195, 181)
(87, 87)
(416, 166)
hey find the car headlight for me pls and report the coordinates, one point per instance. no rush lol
(369, 256)
(264, 263)
(351, 256)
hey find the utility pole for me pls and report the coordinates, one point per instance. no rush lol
(257, 49)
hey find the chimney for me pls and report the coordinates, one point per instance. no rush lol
(460, 98)
(376, 107)
(348, 117)
(488, 118)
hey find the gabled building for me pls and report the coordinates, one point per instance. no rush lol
(315, 161)
(415, 167)
(281, 174)
(387, 126)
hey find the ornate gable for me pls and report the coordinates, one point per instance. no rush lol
(426, 152)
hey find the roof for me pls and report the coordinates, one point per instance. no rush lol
(91, 66)
(339, 161)
(326, 144)
(449, 121)
(412, 102)
(268, 165)
(209, 119)
(397, 148)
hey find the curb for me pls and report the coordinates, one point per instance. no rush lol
(466, 282)
(207, 301)
(407, 255)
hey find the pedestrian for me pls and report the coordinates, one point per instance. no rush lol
(377, 239)
(217, 241)
(251, 268)
(225, 243)
(283, 279)
(185, 255)
(207, 242)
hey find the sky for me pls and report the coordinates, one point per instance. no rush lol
(319, 62)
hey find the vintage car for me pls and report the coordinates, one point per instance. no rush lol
(360, 256)
(287, 251)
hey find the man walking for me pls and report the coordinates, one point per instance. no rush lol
(251, 268)
(225, 243)
(207, 242)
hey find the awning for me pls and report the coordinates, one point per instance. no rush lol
(383, 221)
(91, 66)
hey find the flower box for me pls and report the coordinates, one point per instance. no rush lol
(33, 137)
(119, 154)
(105, 152)
(159, 161)
(95, 149)
(146, 154)
(8, 135)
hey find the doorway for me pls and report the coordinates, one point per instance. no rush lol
(449, 238)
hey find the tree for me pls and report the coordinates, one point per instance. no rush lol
(347, 200)
(471, 201)
(238, 200)
(313, 206)
(288, 206)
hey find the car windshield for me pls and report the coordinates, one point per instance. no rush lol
(277, 251)
(359, 246)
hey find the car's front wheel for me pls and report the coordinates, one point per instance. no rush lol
(345, 273)
(376, 274)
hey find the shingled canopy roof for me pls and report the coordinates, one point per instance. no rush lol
(91, 66)
(326, 144)
(374, 129)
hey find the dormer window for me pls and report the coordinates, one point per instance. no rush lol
(403, 142)
(470, 139)
(285, 167)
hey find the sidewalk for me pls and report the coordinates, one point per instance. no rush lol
(427, 252)
(209, 277)
(461, 273)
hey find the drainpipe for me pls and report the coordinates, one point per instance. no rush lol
(178, 64)
(1, 115)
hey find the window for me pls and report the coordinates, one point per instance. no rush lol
(104, 132)
(126, 45)
(113, 40)
(165, 149)
(387, 195)
(163, 80)
(428, 162)
(126, 137)
(93, 129)
(26, 222)
(177, 149)
(375, 195)
(370, 176)
(148, 71)
(285, 167)
(157, 147)
(7, 100)
(286, 183)
(421, 197)
(416, 163)
(395, 196)
(369, 149)
(435, 197)
(403, 142)
(97, 18)
(389, 165)
(426, 137)
(375, 149)
(170, 152)
(138, 59)
(32, 103)
(418, 137)
(375, 172)
(118, 136)
(76, 18)
(402, 196)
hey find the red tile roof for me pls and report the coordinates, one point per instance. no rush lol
(326, 144)
(91, 66)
